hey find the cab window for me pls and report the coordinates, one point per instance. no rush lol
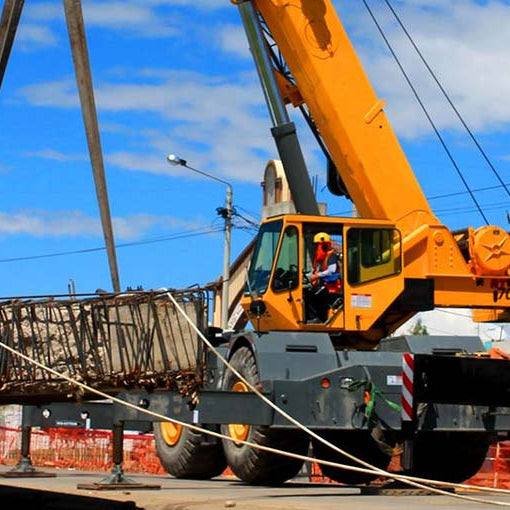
(372, 253)
(286, 269)
(263, 257)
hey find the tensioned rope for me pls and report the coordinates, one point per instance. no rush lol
(304, 458)
(413, 481)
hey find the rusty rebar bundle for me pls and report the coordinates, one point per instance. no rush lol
(112, 342)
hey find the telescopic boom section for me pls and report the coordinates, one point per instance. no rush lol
(346, 110)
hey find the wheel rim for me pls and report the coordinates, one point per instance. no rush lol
(238, 431)
(171, 433)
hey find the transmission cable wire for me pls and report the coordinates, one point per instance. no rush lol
(446, 95)
(180, 235)
(447, 211)
(457, 193)
(423, 107)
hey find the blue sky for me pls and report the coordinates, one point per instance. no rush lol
(175, 76)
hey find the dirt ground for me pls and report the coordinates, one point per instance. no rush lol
(60, 491)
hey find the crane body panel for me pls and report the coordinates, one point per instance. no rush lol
(324, 294)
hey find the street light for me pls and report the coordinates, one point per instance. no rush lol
(226, 214)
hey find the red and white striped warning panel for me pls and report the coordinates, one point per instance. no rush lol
(407, 386)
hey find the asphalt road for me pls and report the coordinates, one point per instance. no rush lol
(61, 491)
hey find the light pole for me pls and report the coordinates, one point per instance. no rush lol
(226, 214)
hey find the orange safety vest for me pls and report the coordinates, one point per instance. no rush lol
(333, 283)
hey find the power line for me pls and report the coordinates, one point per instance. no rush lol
(450, 211)
(449, 312)
(432, 328)
(256, 216)
(425, 111)
(180, 235)
(476, 190)
(438, 197)
(464, 210)
(446, 95)
(467, 208)
(248, 221)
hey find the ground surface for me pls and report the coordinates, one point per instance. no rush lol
(61, 492)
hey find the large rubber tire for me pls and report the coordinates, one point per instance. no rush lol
(449, 457)
(190, 454)
(250, 464)
(359, 443)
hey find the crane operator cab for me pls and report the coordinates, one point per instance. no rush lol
(319, 273)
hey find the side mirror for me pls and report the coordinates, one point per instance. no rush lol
(258, 308)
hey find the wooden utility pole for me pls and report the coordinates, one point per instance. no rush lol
(76, 29)
(8, 25)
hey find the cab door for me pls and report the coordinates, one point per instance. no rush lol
(374, 274)
(284, 299)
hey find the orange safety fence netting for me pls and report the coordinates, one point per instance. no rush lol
(91, 450)
(495, 471)
(315, 473)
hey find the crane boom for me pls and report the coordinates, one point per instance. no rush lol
(349, 115)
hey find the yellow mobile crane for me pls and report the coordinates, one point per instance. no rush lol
(398, 257)
(331, 363)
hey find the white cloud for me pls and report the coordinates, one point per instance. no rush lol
(56, 155)
(137, 225)
(139, 162)
(227, 117)
(181, 97)
(468, 58)
(118, 128)
(44, 223)
(203, 4)
(130, 17)
(454, 322)
(32, 36)
(41, 223)
(43, 11)
(58, 93)
(233, 40)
